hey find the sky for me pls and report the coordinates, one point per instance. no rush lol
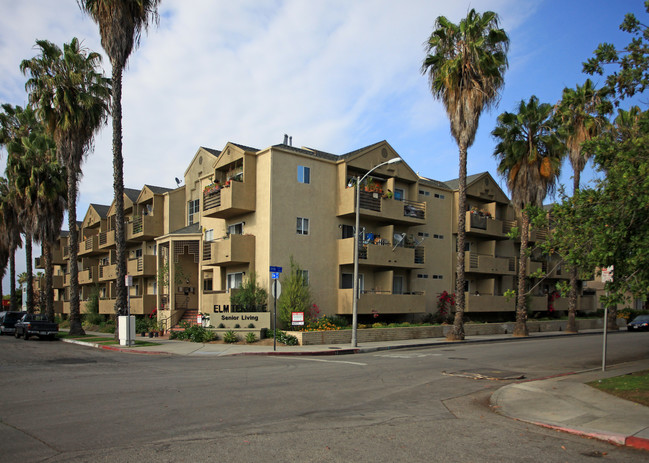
(336, 75)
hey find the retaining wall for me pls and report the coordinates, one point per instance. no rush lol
(308, 338)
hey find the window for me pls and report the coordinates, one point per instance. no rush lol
(235, 280)
(397, 285)
(439, 196)
(305, 277)
(347, 281)
(423, 234)
(422, 275)
(192, 209)
(438, 237)
(138, 253)
(209, 235)
(303, 174)
(348, 231)
(207, 284)
(425, 193)
(302, 226)
(438, 277)
(398, 194)
(235, 229)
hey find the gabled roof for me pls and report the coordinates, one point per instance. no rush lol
(481, 186)
(433, 183)
(132, 193)
(101, 209)
(213, 152)
(158, 190)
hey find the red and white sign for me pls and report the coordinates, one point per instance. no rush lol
(607, 274)
(297, 318)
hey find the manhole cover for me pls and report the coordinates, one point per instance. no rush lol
(499, 375)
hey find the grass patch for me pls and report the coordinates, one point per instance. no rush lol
(633, 387)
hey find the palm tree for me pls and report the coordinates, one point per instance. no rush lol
(19, 173)
(121, 23)
(580, 114)
(11, 229)
(41, 181)
(465, 64)
(529, 152)
(15, 123)
(72, 98)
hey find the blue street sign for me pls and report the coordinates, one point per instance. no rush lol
(275, 269)
(274, 275)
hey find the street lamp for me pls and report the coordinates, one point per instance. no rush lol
(356, 232)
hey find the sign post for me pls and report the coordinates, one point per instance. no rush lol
(607, 276)
(274, 274)
(128, 282)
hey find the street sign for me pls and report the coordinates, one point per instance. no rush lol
(607, 274)
(277, 284)
(297, 318)
(275, 269)
(274, 276)
(128, 280)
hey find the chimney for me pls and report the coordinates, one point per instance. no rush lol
(285, 139)
(290, 141)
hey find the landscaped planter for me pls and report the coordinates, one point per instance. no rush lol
(309, 338)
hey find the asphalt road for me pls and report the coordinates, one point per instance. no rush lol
(63, 402)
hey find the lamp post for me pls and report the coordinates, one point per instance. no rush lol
(356, 232)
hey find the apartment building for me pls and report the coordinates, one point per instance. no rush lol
(242, 210)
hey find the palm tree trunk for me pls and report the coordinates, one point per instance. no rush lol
(30, 271)
(75, 314)
(49, 285)
(118, 187)
(458, 323)
(572, 296)
(520, 329)
(13, 301)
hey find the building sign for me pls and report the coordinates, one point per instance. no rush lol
(231, 308)
(297, 318)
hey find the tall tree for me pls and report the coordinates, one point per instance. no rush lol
(41, 185)
(581, 116)
(529, 154)
(19, 175)
(11, 230)
(466, 65)
(121, 23)
(72, 98)
(15, 123)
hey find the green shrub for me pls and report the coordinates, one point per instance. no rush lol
(193, 333)
(283, 337)
(250, 338)
(221, 325)
(230, 337)
(237, 326)
(251, 325)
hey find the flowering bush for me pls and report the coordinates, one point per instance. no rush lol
(445, 302)
(321, 324)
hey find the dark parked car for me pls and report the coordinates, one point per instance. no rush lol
(36, 324)
(639, 323)
(8, 321)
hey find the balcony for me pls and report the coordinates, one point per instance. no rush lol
(144, 227)
(554, 270)
(479, 263)
(88, 276)
(584, 303)
(382, 302)
(107, 239)
(107, 272)
(143, 304)
(89, 246)
(380, 255)
(375, 205)
(141, 266)
(238, 198)
(482, 225)
(533, 267)
(236, 249)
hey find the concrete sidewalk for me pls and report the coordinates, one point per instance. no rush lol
(564, 403)
(567, 404)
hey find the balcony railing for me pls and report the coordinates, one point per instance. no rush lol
(236, 249)
(385, 255)
(484, 263)
(382, 302)
(237, 198)
(107, 239)
(373, 204)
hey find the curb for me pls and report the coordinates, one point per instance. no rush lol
(113, 348)
(612, 438)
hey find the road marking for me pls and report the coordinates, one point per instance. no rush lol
(330, 361)
(407, 356)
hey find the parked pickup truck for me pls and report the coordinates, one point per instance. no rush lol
(8, 321)
(34, 324)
